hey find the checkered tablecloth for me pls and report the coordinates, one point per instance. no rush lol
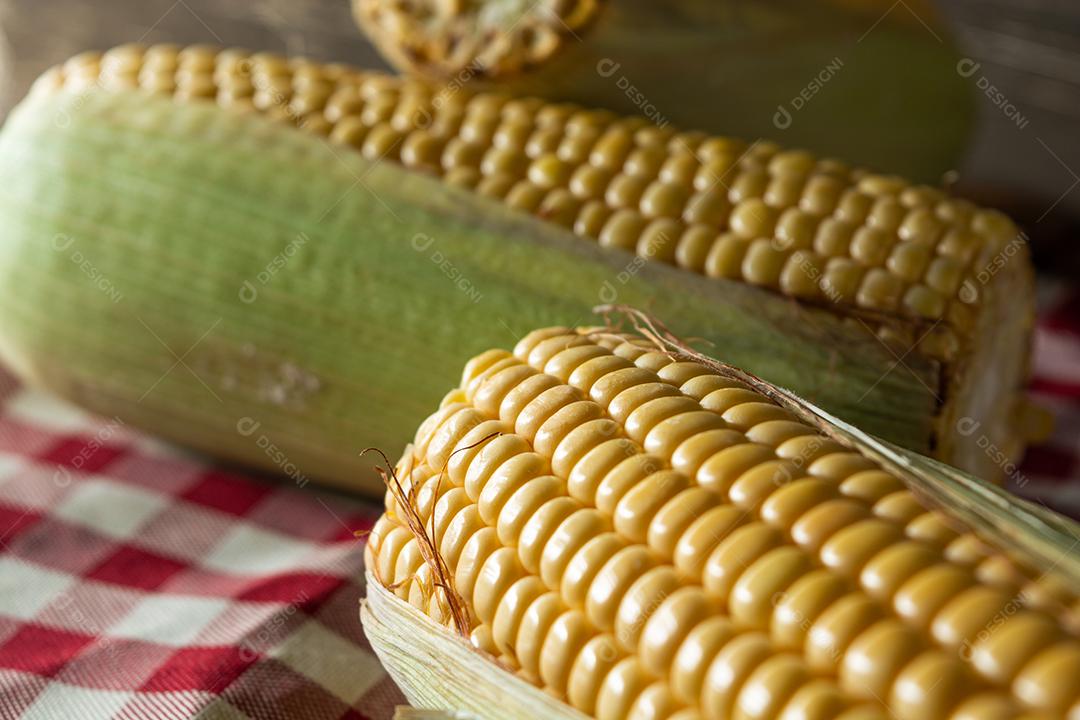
(136, 581)
(1050, 473)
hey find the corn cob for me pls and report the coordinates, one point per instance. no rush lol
(933, 275)
(643, 537)
(243, 288)
(786, 69)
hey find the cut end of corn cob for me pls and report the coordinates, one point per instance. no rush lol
(932, 275)
(640, 536)
(473, 40)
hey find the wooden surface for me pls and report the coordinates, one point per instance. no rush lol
(1028, 50)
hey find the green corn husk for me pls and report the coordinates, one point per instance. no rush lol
(438, 670)
(246, 289)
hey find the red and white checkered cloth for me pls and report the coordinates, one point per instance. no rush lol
(1050, 473)
(138, 582)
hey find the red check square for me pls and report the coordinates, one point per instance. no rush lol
(226, 492)
(306, 590)
(208, 669)
(88, 456)
(41, 651)
(1052, 461)
(136, 568)
(13, 521)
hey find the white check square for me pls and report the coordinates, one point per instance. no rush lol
(26, 589)
(169, 619)
(10, 463)
(340, 666)
(214, 709)
(111, 508)
(34, 487)
(248, 550)
(172, 620)
(60, 700)
(37, 408)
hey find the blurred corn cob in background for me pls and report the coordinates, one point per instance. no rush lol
(644, 535)
(871, 82)
(875, 254)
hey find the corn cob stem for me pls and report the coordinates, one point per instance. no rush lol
(646, 538)
(917, 266)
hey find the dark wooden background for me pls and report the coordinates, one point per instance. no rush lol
(1029, 50)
